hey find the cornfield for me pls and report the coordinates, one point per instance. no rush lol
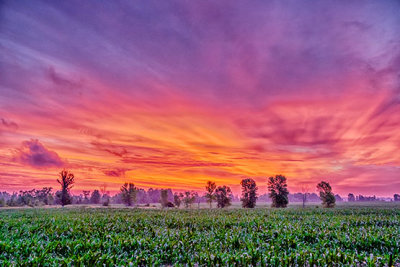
(366, 236)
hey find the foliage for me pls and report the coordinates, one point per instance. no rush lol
(178, 199)
(106, 202)
(249, 193)
(223, 195)
(164, 197)
(210, 192)
(189, 198)
(95, 197)
(278, 191)
(44, 195)
(66, 181)
(326, 194)
(128, 194)
(86, 194)
(366, 236)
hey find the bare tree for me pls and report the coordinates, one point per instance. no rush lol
(67, 179)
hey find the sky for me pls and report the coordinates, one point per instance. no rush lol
(171, 94)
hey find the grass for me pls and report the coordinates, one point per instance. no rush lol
(347, 235)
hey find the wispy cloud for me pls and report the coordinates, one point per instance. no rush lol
(174, 93)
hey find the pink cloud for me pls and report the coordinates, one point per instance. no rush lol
(34, 154)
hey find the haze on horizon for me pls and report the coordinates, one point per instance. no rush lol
(170, 94)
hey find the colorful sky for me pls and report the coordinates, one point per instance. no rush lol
(175, 93)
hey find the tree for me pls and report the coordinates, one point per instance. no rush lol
(67, 179)
(105, 195)
(326, 195)
(86, 196)
(178, 199)
(304, 194)
(128, 194)
(351, 198)
(164, 197)
(249, 193)
(223, 195)
(210, 190)
(188, 199)
(95, 197)
(278, 191)
(396, 197)
(44, 195)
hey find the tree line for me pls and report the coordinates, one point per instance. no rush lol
(130, 195)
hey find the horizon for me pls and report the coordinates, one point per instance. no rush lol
(173, 94)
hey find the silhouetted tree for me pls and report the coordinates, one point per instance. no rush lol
(128, 194)
(223, 195)
(278, 191)
(249, 193)
(67, 179)
(351, 198)
(326, 195)
(396, 197)
(189, 198)
(95, 197)
(210, 190)
(178, 199)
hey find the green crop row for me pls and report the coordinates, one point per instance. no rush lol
(74, 237)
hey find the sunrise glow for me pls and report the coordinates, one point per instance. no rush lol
(173, 94)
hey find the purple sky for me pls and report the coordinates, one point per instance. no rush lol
(175, 93)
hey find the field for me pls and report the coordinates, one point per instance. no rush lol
(347, 235)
